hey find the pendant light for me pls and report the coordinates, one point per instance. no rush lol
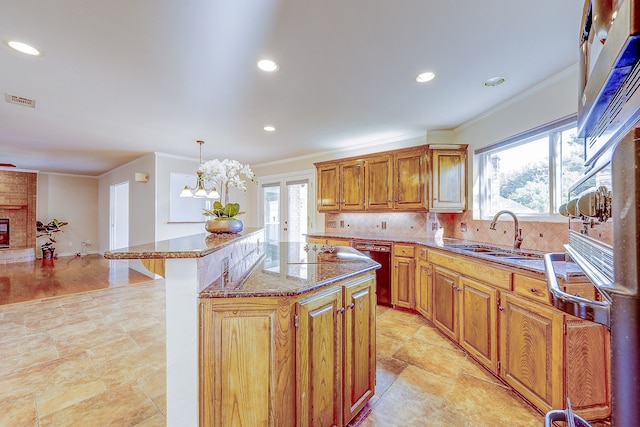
(200, 191)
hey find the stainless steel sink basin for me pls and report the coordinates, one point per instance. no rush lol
(496, 252)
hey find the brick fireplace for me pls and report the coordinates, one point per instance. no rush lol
(18, 212)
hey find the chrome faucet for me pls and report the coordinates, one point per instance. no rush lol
(517, 238)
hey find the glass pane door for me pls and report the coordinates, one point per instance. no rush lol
(271, 205)
(286, 207)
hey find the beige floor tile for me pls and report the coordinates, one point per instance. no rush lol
(36, 324)
(432, 358)
(155, 421)
(398, 330)
(122, 406)
(18, 412)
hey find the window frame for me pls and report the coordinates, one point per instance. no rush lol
(553, 132)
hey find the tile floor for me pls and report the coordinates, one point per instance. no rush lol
(98, 358)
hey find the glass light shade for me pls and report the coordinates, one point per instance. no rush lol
(201, 193)
(213, 194)
(186, 192)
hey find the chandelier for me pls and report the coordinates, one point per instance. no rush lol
(200, 191)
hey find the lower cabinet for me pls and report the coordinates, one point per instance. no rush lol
(403, 276)
(424, 289)
(479, 323)
(335, 354)
(247, 374)
(446, 302)
(531, 359)
(288, 361)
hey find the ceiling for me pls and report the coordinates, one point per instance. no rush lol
(122, 78)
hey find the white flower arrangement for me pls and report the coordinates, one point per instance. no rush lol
(226, 174)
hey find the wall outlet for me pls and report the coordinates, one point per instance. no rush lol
(384, 225)
(70, 244)
(341, 224)
(331, 224)
(463, 227)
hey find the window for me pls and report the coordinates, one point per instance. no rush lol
(530, 174)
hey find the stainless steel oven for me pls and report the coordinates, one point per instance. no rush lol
(607, 197)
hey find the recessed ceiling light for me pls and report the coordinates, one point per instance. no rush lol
(269, 128)
(495, 81)
(425, 77)
(268, 65)
(23, 47)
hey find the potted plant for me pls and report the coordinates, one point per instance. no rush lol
(49, 230)
(224, 175)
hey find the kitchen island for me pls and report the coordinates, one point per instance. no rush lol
(263, 334)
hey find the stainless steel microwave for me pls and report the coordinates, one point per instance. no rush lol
(609, 74)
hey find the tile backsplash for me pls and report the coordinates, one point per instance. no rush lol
(539, 236)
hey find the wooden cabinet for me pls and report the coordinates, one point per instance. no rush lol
(478, 321)
(446, 302)
(448, 179)
(237, 333)
(403, 276)
(409, 173)
(329, 241)
(359, 346)
(531, 356)
(397, 180)
(424, 287)
(328, 187)
(352, 185)
(379, 183)
(335, 353)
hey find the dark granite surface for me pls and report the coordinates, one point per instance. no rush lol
(288, 269)
(567, 271)
(195, 246)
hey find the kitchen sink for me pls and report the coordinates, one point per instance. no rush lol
(496, 252)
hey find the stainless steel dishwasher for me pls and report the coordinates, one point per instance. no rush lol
(381, 253)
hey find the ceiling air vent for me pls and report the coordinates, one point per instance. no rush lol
(18, 100)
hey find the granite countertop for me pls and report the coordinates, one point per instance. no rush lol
(195, 246)
(289, 269)
(565, 270)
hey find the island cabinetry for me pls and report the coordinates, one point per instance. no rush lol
(448, 178)
(403, 276)
(424, 286)
(335, 353)
(247, 362)
(531, 350)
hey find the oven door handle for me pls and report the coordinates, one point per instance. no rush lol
(596, 311)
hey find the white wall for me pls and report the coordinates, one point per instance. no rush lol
(543, 104)
(142, 203)
(73, 199)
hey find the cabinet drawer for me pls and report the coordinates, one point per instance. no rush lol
(484, 271)
(422, 253)
(531, 288)
(408, 251)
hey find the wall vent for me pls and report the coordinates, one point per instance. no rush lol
(18, 100)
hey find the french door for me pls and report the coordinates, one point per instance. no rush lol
(287, 207)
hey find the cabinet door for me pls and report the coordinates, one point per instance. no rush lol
(403, 282)
(379, 183)
(359, 345)
(479, 327)
(448, 180)
(531, 350)
(445, 302)
(319, 359)
(352, 186)
(424, 289)
(235, 335)
(328, 188)
(409, 170)
(588, 363)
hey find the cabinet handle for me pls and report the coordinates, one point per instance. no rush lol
(501, 308)
(341, 310)
(352, 305)
(534, 290)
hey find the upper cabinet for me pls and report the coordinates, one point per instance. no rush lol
(448, 179)
(399, 180)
